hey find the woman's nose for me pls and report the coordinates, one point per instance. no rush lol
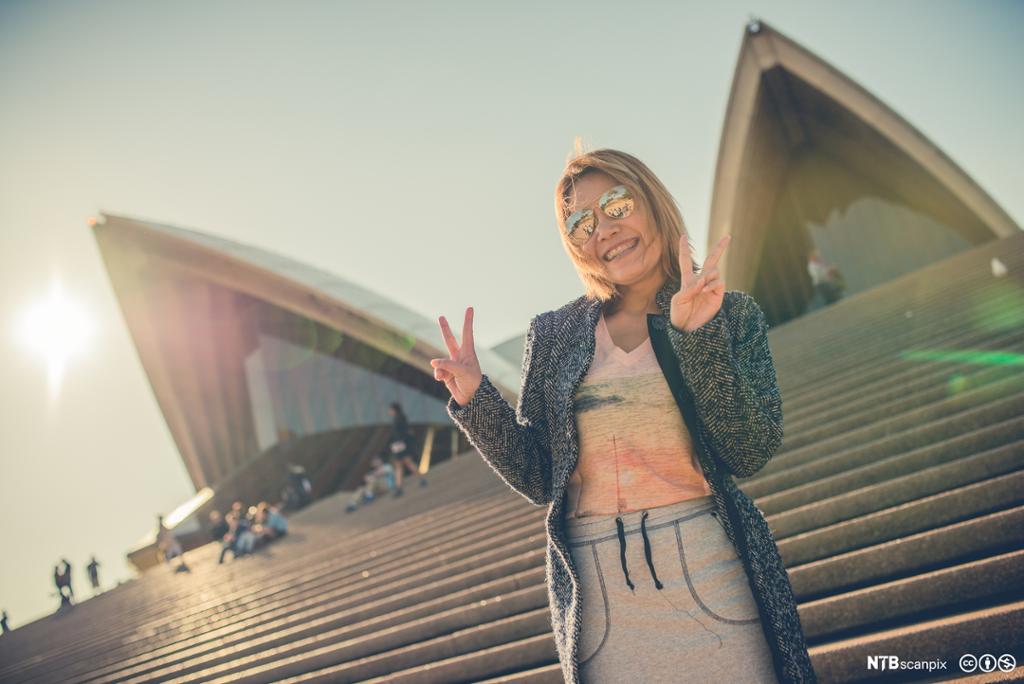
(606, 228)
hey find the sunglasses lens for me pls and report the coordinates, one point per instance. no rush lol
(579, 226)
(617, 202)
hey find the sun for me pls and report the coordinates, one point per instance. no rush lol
(56, 329)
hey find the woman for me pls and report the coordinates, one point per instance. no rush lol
(640, 401)
(400, 443)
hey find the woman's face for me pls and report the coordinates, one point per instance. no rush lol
(642, 256)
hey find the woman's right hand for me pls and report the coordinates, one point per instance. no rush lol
(461, 373)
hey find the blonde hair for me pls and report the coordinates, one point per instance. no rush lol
(652, 197)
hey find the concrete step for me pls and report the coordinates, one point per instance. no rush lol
(154, 631)
(826, 471)
(875, 400)
(361, 638)
(892, 358)
(145, 630)
(899, 555)
(949, 294)
(962, 503)
(464, 655)
(908, 598)
(289, 612)
(369, 608)
(549, 674)
(528, 652)
(899, 480)
(422, 640)
(995, 630)
(946, 349)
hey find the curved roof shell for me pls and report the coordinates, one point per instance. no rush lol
(809, 158)
(188, 300)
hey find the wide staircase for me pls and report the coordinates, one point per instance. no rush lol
(897, 502)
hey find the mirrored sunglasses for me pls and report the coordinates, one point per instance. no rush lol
(617, 203)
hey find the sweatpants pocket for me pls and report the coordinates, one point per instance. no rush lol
(714, 572)
(594, 596)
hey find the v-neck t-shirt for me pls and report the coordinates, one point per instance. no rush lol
(635, 449)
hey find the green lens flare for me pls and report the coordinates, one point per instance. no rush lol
(982, 357)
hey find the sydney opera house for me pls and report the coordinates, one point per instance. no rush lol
(259, 362)
(895, 499)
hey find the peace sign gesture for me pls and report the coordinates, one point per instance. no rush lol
(699, 297)
(461, 373)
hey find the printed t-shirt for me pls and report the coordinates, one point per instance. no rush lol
(635, 449)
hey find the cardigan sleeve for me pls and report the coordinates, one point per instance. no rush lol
(728, 367)
(514, 443)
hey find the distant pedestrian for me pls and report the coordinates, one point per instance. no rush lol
(65, 576)
(827, 281)
(4, 628)
(62, 580)
(168, 545)
(94, 574)
(400, 443)
(220, 531)
(298, 493)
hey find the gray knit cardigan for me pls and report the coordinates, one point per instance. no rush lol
(727, 366)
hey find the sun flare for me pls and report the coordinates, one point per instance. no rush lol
(56, 329)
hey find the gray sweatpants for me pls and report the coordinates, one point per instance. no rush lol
(701, 626)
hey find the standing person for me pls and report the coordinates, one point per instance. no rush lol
(66, 577)
(169, 546)
(299, 489)
(230, 537)
(219, 532)
(827, 281)
(4, 628)
(400, 443)
(640, 402)
(62, 580)
(94, 574)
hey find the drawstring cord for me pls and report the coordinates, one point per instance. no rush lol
(622, 552)
(647, 551)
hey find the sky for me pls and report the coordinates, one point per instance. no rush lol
(410, 147)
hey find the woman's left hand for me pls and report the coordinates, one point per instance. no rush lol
(699, 297)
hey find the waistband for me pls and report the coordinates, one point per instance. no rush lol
(583, 529)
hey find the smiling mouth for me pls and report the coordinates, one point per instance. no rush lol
(631, 246)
